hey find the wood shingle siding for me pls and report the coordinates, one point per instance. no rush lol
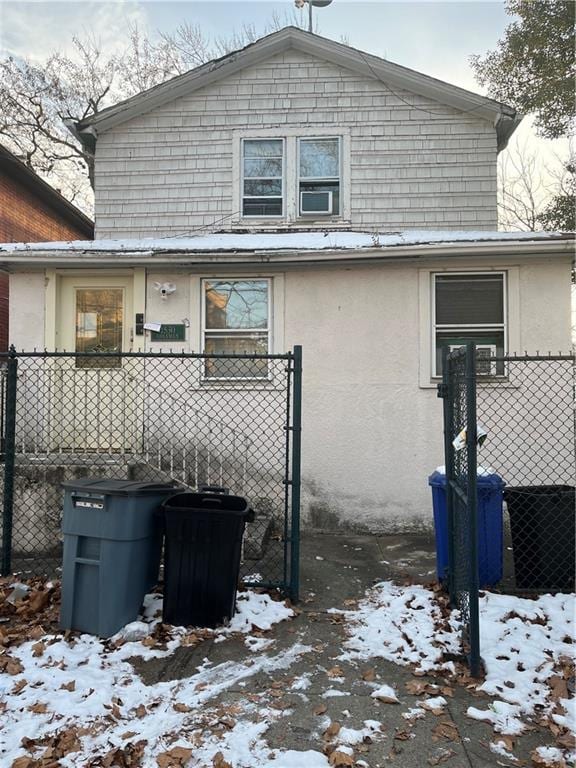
(414, 163)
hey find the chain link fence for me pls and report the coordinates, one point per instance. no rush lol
(230, 421)
(529, 414)
(459, 375)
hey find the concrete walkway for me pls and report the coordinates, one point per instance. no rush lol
(336, 569)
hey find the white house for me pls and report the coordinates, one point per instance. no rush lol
(357, 200)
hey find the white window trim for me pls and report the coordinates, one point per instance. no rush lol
(281, 216)
(275, 320)
(427, 327)
(299, 178)
(291, 197)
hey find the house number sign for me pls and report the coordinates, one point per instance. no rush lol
(169, 333)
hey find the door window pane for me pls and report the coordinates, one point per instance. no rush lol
(99, 325)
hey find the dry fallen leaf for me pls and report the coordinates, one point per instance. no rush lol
(335, 672)
(441, 757)
(446, 730)
(38, 708)
(332, 730)
(369, 675)
(320, 709)
(340, 759)
(24, 762)
(71, 686)
(219, 762)
(179, 707)
(174, 758)
(38, 649)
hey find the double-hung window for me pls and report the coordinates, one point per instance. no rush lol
(319, 176)
(263, 177)
(236, 320)
(470, 307)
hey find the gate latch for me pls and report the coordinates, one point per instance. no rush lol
(441, 389)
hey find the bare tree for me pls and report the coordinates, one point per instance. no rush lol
(38, 101)
(527, 186)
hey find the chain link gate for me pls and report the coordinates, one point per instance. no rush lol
(227, 420)
(458, 389)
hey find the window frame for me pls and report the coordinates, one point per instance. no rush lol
(502, 327)
(326, 179)
(290, 134)
(258, 216)
(226, 332)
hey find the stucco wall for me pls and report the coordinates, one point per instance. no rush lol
(27, 310)
(413, 162)
(372, 432)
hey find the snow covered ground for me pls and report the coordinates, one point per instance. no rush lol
(78, 699)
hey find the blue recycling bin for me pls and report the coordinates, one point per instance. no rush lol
(490, 527)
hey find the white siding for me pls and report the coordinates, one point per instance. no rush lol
(414, 163)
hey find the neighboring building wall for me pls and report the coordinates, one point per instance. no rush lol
(25, 218)
(414, 163)
(372, 432)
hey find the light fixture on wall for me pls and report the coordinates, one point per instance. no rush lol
(164, 289)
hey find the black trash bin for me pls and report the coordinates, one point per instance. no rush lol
(202, 550)
(543, 535)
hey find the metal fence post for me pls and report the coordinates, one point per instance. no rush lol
(296, 475)
(472, 499)
(448, 395)
(9, 457)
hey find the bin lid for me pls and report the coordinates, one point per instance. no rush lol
(492, 480)
(200, 503)
(107, 486)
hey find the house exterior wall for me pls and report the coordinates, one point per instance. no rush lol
(409, 162)
(372, 422)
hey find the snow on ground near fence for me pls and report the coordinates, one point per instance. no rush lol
(84, 691)
(522, 644)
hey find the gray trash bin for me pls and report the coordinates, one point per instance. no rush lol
(112, 549)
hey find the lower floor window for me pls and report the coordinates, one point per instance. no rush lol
(236, 321)
(471, 307)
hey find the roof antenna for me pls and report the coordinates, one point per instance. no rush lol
(317, 3)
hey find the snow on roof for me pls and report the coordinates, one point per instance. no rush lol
(285, 241)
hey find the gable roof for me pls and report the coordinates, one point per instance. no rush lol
(15, 169)
(503, 116)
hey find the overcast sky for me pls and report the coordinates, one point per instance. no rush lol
(436, 38)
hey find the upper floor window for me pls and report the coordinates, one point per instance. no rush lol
(262, 177)
(470, 307)
(319, 176)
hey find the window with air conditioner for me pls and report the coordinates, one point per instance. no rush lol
(319, 176)
(470, 307)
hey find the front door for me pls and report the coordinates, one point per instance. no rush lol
(94, 395)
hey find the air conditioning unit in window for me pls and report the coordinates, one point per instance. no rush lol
(312, 203)
(485, 366)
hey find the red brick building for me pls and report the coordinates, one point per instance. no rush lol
(32, 211)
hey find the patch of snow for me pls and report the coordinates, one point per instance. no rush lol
(520, 639)
(434, 702)
(505, 718)
(257, 610)
(301, 683)
(550, 755)
(401, 624)
(256, 644)
(499, 748)
(333, 692)
(315, 241)
(385, 692)
(414, 713)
